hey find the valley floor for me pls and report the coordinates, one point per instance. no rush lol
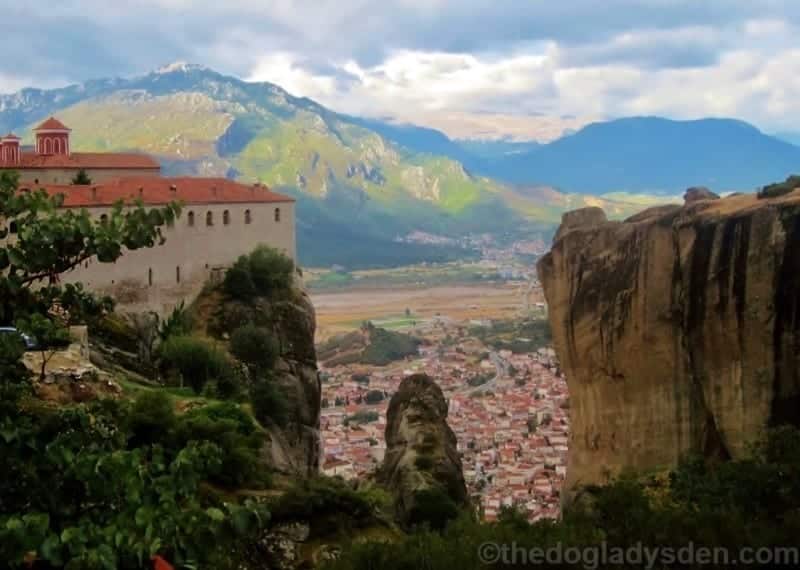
(508, 410)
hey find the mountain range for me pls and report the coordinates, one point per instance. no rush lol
(362, 183)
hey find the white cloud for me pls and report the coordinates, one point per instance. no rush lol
(751, 76)
(284, 70)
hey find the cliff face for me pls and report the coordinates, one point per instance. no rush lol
(677, 329)
(295, 447)
(421, 449)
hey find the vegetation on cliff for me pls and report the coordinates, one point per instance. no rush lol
(753, 503)
(110, 483)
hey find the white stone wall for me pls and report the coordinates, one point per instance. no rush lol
(64, 176)
(160, 277)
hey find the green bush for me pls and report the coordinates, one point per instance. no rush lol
(178, 323)
(269, 403)
(328, 504)
(238, 283)
(255, 347)
(194, 360)
(261, 273)
(270, 269)
(152, 419)
(780, 188)
(432, 508)
(228, 426)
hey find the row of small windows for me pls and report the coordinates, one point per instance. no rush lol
(226, 217)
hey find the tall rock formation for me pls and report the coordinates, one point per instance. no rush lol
(677, 329)
(293, 448)
(421, 449)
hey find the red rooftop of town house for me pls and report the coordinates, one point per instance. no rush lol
(52, 124)
(155, 191)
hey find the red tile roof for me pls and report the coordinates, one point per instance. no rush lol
(156, 190)
(52, 124)
(87, 160)
(10, 136)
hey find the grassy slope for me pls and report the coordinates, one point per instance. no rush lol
(349, 179)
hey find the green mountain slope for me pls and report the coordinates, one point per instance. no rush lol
(357, 190)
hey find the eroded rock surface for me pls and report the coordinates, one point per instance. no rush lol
(677, 330)
(421, 449)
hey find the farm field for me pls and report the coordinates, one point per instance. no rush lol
(404, 308)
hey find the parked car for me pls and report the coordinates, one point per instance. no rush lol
(27, 340)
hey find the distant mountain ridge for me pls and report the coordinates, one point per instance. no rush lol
(634, 155)
(359, 183)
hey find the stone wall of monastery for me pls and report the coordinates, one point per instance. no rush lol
(48, 176)
(159, 278)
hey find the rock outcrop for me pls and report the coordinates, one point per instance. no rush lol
(421, 449)
(293, 448)
(677, 330)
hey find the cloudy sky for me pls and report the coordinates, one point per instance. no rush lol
(677, 58)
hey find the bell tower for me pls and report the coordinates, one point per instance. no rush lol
(52, 137)
(9, 150)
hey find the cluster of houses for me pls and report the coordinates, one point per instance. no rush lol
(512, 425)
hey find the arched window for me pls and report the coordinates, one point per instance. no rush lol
(48, 146)
(209, 218)
(104, 219)
(226, 217)
(247, 217)
(190, 217)
(150, 277)
(277, 214)
(12, 227)
(56, 146)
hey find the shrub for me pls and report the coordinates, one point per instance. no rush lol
(780, 188)
(255, 347)
(194, 360)
(374, 397)
(270, 270)
(261, 273)
(238, 283)
(178, 323)
(152, 419)
(269, 403)
(327, 503)
(228, 426)
(432, 508)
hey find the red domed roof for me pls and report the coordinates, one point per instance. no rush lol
(10, 136)
(52, 124)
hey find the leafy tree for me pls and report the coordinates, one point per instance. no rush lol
(263, 272)
(269, 403)
(48, 335)
(432, 508)
(194, 360)
(177, 323)
(81, 178)
(270, 269)
(238, 283)
(255, 347)
(79, 489)
(374, 397)
(50, 241)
